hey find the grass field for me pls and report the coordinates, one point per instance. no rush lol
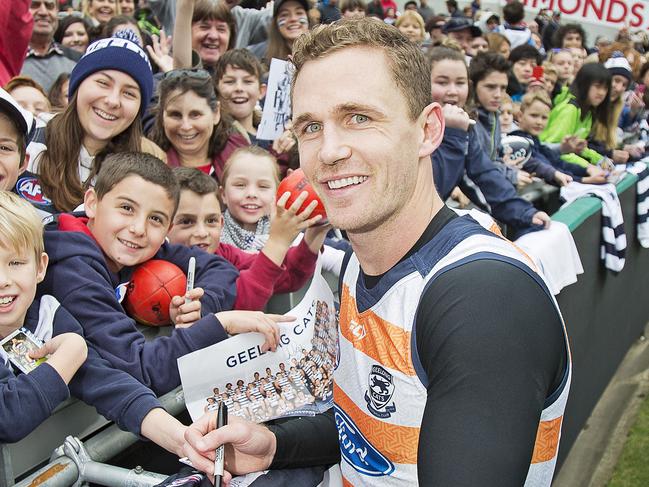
(632, 469)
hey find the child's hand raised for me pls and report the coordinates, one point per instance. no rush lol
(236, 322)
(315, 235)
(286, 141)
(183, 314)
(286, 224)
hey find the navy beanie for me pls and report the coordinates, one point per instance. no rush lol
(618, 64)
(118, 53)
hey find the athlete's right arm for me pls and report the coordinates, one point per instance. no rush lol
(289, 443)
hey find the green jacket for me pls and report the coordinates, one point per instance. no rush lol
(565, 119)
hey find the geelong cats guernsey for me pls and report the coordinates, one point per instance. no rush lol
(380, 388)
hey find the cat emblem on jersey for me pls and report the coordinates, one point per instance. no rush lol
(379, 392)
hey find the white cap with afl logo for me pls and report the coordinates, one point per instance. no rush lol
(24, 120)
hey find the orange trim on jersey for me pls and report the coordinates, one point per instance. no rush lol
(397, 443)
(375, 337)
(494, 228)
(347, 483)
(547, 440)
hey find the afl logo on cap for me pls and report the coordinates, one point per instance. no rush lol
(29, 187)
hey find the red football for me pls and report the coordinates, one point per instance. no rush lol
(150, 290)
(295, 183)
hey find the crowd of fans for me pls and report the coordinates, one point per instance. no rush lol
(97, 93)
(201, 74)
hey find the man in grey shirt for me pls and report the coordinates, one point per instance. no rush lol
(46, 59)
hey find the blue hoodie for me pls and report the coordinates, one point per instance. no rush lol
(29, 399)
(460, 154)
(80, 279)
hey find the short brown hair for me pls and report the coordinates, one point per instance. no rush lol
(118, 167)
(196, 181)
(238, 58)
(210, 10)
(20, 81)
(252, 150)
(346, 5)
(536, 95)
(406, 61)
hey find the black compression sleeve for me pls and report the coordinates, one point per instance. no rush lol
(306, 441)
(492, 344)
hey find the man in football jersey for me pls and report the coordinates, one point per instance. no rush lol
(454, 367)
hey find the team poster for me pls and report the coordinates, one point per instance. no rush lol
(296, 380)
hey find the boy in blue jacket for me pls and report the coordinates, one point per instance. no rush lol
(92, 257)
(28, 399)
(535, 112)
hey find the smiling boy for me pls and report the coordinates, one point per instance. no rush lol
(29, 399)
(15, 123)
(128, 215)
(17, 126)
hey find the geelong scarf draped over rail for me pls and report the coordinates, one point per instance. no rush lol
(613, 249)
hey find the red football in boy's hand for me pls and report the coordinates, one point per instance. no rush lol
(150, 290)
(295, 183)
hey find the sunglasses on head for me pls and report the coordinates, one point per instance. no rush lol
(196, 73)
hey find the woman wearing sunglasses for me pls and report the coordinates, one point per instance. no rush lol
(109, 89)
(189, 125)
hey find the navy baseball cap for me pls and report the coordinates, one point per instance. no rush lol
(456, 24)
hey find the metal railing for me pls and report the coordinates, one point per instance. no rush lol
(77, 463)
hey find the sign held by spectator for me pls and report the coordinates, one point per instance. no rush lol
(277, 106)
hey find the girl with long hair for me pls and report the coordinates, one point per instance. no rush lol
(109, 89)
(587, 102)
(290, 21)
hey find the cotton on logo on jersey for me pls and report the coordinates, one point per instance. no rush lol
(357, 451)
(357, 329)
(29, 188)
